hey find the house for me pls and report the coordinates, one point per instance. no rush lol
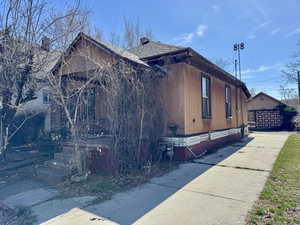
(83, 58)
(45, 59)
(31, 102)
(203, 105)
(264, 112)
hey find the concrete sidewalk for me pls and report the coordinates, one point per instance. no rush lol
(217, 189)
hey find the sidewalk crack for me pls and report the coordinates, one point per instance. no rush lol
(234, 167)
(198, 192)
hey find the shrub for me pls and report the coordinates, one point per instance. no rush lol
(288, 113)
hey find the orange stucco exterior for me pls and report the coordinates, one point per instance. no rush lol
(181, 90)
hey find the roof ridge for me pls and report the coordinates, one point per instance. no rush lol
(269, 96)
(162, 43)
(115, 49)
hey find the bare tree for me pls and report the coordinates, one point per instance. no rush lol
(23, 25)
(290, 73)
(287, 93)
(130, 106)
(132, 33)
(222, 63)
(253, 92)
(115, 39)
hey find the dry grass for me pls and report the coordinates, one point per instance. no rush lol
(104, 187)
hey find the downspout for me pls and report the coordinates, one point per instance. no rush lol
(242, 112)
(236, 106)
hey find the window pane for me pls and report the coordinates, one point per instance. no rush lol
(207, 88)
(227, 94)
(228, 101)
(204, 87)
(205, 97)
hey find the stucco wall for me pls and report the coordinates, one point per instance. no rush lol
(182, 98)
(172, 97)
(194, 123)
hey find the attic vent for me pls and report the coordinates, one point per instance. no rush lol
(144, 40)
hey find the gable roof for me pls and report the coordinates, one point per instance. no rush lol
(45, 61)
(108, 48)
(153, 48)
(266, 95)
(113, 49)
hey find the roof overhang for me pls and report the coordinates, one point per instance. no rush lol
(190, 56)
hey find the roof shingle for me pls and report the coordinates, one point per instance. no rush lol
(153, 48)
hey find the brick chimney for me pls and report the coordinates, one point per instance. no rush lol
(45, 44)
(144, 40)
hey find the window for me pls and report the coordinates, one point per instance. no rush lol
(46, 97)
(228, 102)
(88, 108)
(206, 104)
(1, 102)
(91, 104)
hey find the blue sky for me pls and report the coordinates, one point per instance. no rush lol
(269, 28)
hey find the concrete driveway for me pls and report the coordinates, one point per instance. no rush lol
(217, 189)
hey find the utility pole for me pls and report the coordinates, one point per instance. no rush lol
(235, 68)
(238, 48)
(298, 75)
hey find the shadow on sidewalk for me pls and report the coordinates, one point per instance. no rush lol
(127, 207)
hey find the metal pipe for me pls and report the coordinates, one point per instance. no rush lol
(235, 68)
(239, 55)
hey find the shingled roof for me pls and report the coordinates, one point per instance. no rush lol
(114, 49)
(110, 49)
(268, 96)
(148, 50)
(151, 48)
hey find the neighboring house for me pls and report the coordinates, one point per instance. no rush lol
(203, 105)
(39, 105)
(264, 112)
(45, 59)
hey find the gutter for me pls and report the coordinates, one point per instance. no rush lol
(193, 53)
